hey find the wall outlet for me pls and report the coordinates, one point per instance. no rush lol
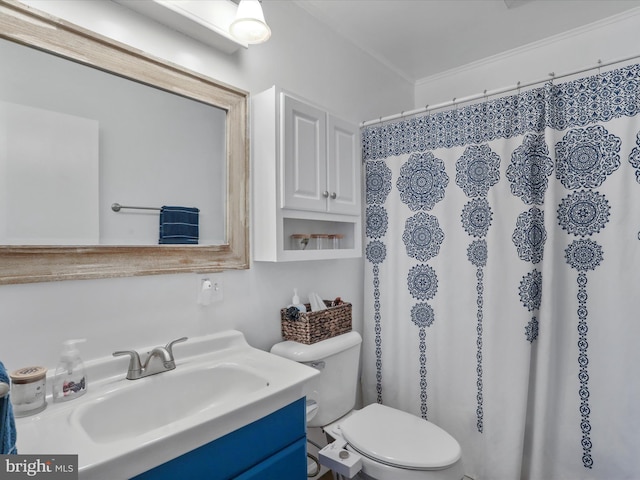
(210, 289)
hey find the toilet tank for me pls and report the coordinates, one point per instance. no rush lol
(338, 360)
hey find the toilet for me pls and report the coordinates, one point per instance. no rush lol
(394, 445)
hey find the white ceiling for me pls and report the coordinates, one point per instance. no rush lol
(420, 38)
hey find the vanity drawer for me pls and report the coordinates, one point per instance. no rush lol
(276, 442)
(290, 463)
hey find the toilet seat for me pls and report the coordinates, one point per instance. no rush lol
(399, 439)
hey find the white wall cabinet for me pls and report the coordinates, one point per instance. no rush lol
(306, 179)
(321, 164)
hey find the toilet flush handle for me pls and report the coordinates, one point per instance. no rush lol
(318, 365)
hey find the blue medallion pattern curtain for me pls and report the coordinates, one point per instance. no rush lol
(501, 277)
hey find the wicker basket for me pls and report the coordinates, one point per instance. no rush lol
(312, 327)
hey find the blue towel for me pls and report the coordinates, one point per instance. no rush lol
(7, 423)
(179, 225)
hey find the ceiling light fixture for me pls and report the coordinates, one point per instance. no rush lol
(249, 25)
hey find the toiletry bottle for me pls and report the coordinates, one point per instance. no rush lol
(295, 301)
(70, 379)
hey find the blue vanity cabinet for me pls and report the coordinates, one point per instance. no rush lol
(273, 447)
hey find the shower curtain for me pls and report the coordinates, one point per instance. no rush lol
(502, 277)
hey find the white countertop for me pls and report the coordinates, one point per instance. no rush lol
(56, 430)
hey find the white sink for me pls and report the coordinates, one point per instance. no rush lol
(159, 400)
(121, 428)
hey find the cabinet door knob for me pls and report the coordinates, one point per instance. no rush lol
(334, 196)
(325, 194)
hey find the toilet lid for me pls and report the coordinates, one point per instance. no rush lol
(399, 439)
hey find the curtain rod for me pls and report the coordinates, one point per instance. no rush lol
(551, 76)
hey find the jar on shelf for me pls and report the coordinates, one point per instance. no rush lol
(299, 241)
(335, 240)
(320, 240)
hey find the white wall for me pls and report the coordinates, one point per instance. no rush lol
(608, 40)
(304, 57)
(114, 314)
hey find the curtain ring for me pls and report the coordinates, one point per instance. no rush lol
(485, 107)
(518, 87)
(600, 72)
(553, 76)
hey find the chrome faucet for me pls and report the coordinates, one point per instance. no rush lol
(158, 360)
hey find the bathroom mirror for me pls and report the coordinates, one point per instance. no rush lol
(216, 106)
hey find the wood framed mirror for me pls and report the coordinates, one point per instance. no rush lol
(39, 263)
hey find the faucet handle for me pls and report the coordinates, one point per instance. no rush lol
(134, 362)
(170, 345)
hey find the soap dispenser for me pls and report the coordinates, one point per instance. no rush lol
(70, 380)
